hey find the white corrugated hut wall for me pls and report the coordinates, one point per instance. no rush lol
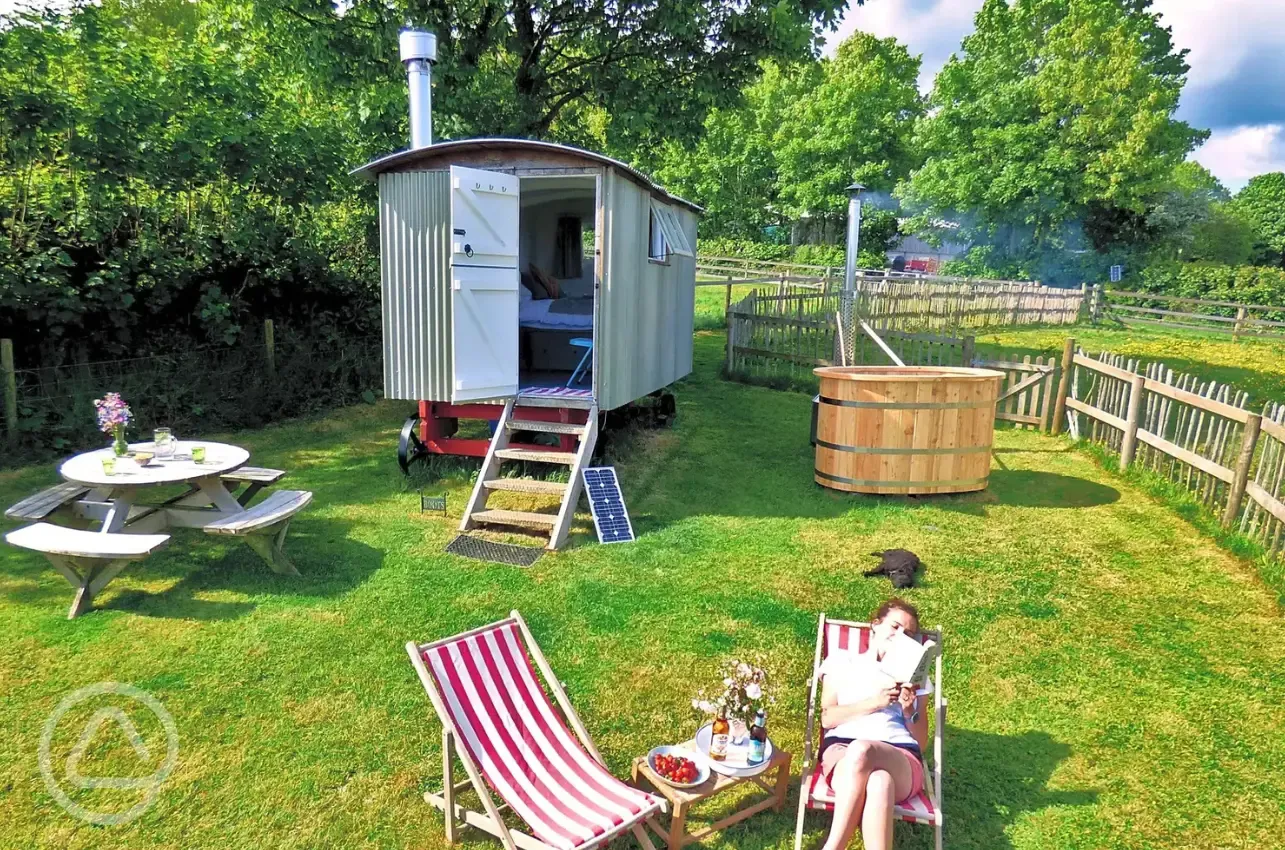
(414, 264)
(643, 339)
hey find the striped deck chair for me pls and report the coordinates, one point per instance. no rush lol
(511, 739)
(815, 793)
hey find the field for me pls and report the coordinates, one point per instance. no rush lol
(1254, 365)
(1114, 676)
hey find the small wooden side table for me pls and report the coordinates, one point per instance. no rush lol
(681, 800)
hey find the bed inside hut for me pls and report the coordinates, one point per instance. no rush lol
(556, 259)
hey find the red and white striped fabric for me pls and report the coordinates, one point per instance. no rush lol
(917, 809)
(519, 742)
(853, 637)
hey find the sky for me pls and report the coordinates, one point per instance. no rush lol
(1235, 88)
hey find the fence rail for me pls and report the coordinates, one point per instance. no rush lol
(1230, 317)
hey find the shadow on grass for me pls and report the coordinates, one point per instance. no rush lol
(992, 780)
(329, 564)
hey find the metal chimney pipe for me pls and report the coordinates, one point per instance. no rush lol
(419, 52)
(854, 236)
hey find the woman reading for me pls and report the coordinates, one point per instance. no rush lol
(874, 735)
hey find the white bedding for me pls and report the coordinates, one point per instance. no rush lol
(535, 314)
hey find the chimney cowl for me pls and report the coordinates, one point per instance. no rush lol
(417, 44)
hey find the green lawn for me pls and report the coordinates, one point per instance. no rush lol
(1254, 365)
(1114, 677)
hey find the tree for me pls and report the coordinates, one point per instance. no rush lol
(1262, 204)
(801, 134)
(1193, 220)
(856, 124)
(517, 67)
(1055, 113)
(732, 171)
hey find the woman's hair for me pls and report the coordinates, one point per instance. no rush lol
(895, 604)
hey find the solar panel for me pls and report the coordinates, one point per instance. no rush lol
(607, 504)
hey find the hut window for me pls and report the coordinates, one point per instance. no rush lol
(569, 250)
(667, 236)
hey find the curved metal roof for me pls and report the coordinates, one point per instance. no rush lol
(403, 159)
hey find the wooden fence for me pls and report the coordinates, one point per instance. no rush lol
(949, 306)
(1170, 311)
(784, 335)
(1026, 394)
(1197, 434)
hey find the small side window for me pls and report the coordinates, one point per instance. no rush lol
(672, 239)
(657, 249)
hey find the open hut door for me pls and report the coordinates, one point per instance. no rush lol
(484, 284)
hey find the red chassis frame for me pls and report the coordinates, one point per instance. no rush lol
(439, 420)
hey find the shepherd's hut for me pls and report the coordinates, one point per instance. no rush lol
(527, 283)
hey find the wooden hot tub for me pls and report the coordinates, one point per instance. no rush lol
(905, 429)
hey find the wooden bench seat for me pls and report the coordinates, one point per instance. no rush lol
(264, 526)
(254, 477)
(41, 505)
(87, 559)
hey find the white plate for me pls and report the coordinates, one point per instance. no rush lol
(730, 766)
(702, 766)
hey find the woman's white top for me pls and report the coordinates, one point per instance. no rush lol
(854, 677)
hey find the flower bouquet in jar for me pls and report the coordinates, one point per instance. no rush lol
(113, 416)
(742, 692)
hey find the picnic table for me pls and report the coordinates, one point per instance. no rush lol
(104, 522)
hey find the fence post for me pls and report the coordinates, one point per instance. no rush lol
(1130, 442)
(1063, 386)
(1240, 324)
(727, 302)
(270, 347)
(10, 390)
(968, 349)
(1095, 309)
(1248, 442)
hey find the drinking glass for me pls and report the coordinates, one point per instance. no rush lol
(109, 466)
(198, 454)
(163, 439)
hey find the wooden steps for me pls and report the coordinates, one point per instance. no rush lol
(498, 517)
(526, 485)
(550, 456)
(565, 402)
(546, 427)
(490, 480)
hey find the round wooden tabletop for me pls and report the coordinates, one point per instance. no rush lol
(87, 468)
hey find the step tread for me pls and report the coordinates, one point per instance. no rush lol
(543, 457)
(571, 402)
(545, 427)
(526, 485)
(515, 518)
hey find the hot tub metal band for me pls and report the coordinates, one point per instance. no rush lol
(871, 482)
(908, 405)
(880, 450)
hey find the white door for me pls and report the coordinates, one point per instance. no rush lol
(484, 284)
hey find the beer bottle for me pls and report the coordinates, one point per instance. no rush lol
(721, 735)
(758, 738)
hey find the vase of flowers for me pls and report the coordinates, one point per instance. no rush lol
(743, 691)
(113, 416)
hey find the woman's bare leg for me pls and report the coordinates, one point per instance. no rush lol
(850, 781)
(876, 818)
(889, 781)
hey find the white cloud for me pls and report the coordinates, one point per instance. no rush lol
(931, 29)
(1236, 155)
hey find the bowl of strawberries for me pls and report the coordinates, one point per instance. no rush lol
(678, 766)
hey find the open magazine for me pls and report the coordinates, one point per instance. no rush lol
(905, 661)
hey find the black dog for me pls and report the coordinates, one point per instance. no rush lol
(897, 564)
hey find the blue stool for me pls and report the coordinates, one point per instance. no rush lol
(581, 371)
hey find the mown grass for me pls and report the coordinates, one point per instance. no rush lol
(1255, 365)
(1114, 676)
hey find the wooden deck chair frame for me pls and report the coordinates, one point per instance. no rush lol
(490, 821)
(939, 727)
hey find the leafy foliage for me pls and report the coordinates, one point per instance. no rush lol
(1032, 134)
(1245, 284)
(800, 136)
(1262, 204)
